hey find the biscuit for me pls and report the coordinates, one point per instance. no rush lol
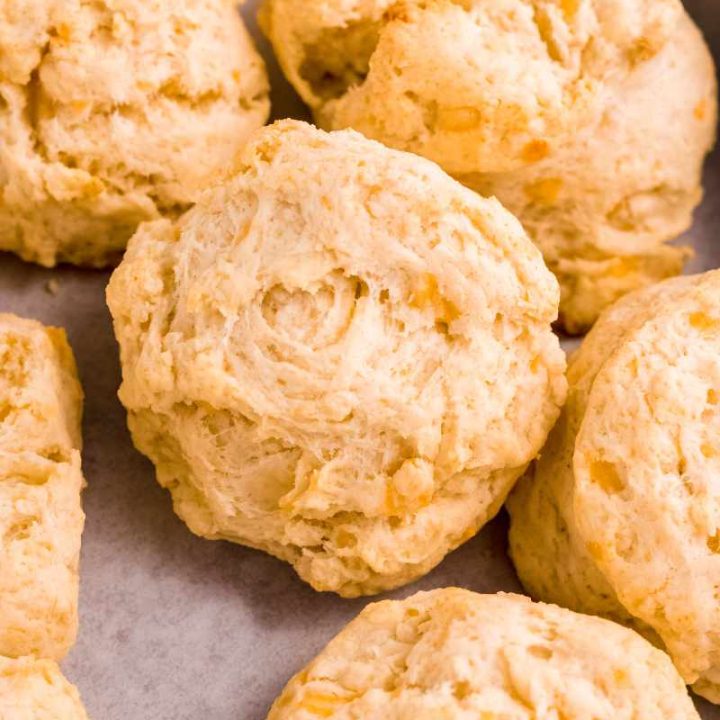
(457, 655)
(342, 357)
(33, 689)
(620, 514)
(112, 113)
(539, 102)
(41, 519)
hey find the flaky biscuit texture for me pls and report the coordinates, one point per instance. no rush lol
(33, 689)
(542, 103)
(116, 112)
(621, 515)
(41, 519)
(341, 356)
(457, 655)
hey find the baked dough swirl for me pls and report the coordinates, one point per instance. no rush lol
(341, 356)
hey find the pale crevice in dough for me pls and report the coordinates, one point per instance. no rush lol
(341, 356)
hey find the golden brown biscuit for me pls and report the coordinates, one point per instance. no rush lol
(116, 112)
(41, 519)
(36, 690)
(342, 357)
(543, 103)
(620, 516)
(457, 655)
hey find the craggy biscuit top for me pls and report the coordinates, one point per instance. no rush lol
(627, 487)
(457, 655)
(116, 112)
(41, 519)
(341, 356)
(514, 75)
(543, 104)
(604, 205)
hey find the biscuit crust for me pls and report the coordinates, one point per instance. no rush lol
(341, 356)
(33, 689)
(41, 519)
(112, 113)
(626, 485)
(457, 655)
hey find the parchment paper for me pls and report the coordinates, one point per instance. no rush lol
(174, 627)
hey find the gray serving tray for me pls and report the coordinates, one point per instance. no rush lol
(174, 627)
